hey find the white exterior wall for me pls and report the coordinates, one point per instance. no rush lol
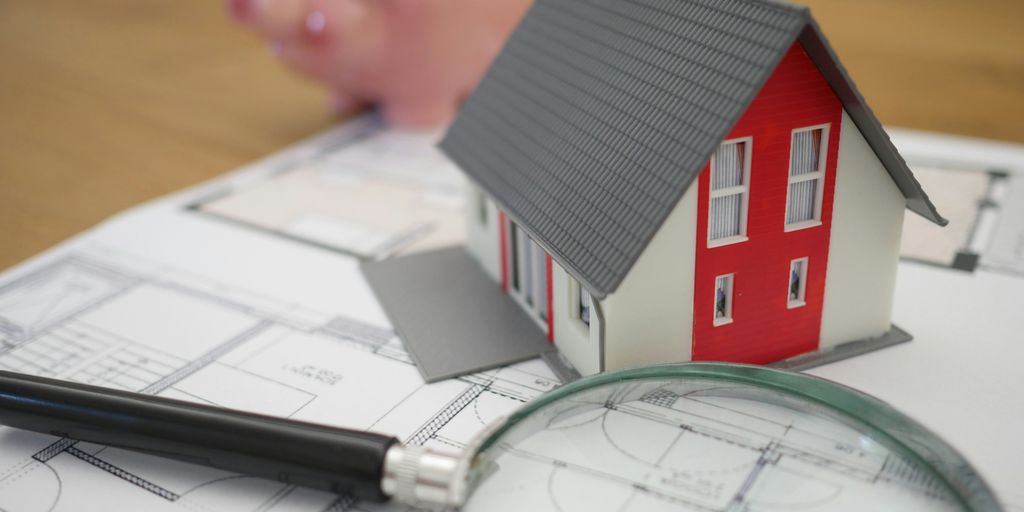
(483, 239)
(579, 343)
(649, 319)
(867, 220)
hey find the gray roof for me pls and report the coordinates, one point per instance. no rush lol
(598, 115)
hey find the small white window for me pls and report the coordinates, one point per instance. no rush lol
(481, 207)
(730, 176)
(584, 306)
(797, 282)
(723, 299)
(807, 154)
(579, 301)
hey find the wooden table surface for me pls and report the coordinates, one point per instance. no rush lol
(107, 103)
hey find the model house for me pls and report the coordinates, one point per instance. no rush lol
(658, 181)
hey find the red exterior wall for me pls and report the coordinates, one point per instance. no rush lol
(764, 329)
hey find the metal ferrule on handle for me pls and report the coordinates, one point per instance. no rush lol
(425, 478)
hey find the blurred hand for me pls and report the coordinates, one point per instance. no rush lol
(416, 59)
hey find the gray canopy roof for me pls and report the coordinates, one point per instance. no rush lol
(598, 115)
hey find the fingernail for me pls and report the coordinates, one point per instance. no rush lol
(326, 18)
(316, 22)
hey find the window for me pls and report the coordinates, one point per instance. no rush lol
(797, 282)
(730, 173)
(524, 258)
(806, 174)
(513, 260)
(527, 263)
(579, 300)
(481, 207)
(723, 299)
(540, 277)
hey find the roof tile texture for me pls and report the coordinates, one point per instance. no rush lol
(598, 114)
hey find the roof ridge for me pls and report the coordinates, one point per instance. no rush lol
(627, 144)
(790, 6)
(716, 5)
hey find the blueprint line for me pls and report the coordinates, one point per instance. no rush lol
(441, 419)
(122, 474)
(204, 360)
(246, 360)
(54, 449)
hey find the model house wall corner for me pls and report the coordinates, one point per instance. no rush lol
(731, 212)
(867, 223)
(482, 230)
(578, 340)
(649, 319)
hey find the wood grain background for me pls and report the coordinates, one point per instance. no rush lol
(107, 103)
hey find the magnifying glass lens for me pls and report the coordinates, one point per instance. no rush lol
(671, 439)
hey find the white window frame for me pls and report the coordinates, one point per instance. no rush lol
(743, 188)
(801, 299)
(576, 292)
(730, 288)
(818, 175)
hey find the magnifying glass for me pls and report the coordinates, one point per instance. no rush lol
(703, 436)
(693, 436)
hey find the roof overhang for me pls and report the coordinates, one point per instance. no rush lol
(819, 50)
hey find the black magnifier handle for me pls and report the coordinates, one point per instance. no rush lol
(331, 459)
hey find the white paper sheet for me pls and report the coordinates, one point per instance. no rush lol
(164, 299)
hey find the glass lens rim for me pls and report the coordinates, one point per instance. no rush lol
(881, 419)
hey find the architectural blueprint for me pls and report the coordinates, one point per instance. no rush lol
(373, 193)
(704, 446)
(103, 319)
(175, 300)
(980, 185)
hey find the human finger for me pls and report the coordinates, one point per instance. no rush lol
(345, 103)
(343, 41)
(273, 19)
(419, 112)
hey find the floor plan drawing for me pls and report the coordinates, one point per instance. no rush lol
(109, 320)
(974, 202)
(371, 193)
(245, 293)
(703, 446)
